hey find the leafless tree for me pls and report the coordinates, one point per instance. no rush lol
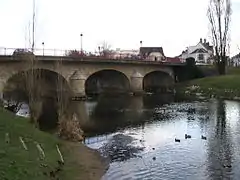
(68, 125)
(61, 96)
(219, 15)
(33, 81)
(105, 49)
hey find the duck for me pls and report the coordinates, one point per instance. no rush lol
(154, 158)
(204, 137)
(177, 140)
(187, 136)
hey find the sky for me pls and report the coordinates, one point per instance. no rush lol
(171, 24)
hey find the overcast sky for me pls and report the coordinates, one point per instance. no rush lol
(172, 24)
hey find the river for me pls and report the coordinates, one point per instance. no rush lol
(139, 137)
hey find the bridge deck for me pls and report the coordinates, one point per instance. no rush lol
(4, 58)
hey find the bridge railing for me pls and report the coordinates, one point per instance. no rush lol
(47, 52)
(74, 53)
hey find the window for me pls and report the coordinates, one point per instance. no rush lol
(200, 57)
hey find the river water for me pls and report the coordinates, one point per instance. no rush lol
(140, 133)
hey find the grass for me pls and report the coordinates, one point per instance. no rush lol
(227, 86)
(218, 82)
(18, 164)
(233, 71)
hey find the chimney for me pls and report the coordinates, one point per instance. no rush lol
(205, 41)
(200, 40)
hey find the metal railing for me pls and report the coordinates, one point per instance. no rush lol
(74, 53)
(46, 52)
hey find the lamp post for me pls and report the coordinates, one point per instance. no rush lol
(43, 47)
(141, 56)
(81, 35)
(99, 49)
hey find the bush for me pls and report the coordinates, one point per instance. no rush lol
(70, 129)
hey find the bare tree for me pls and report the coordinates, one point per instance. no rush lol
(33, 81)
(68, 124)
(219, 15)
(105, 49)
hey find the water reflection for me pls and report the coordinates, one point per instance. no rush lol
(109, 113)
(121, 148)
(142, 143)
(220, 150)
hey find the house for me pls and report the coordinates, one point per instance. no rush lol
(235, 60)
(202, 52)
(122, 54)
(152, 53)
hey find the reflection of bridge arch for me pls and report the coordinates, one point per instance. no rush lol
(107, 80)
(156, 81)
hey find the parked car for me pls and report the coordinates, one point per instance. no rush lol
(23, 110)
(22, 52)
(23, 113)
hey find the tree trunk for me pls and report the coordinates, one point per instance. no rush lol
(221, 66)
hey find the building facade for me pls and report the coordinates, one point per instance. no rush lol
(235, 60)
(152, 53)
(202, 53)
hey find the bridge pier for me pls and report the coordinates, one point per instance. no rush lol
(77, 83)
(136, 82)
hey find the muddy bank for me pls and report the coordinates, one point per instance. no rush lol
(89, 162)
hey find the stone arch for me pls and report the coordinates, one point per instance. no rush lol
(48, 74)
(157, 81)
(107, 81)
(49, 85)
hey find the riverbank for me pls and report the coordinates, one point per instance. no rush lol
(20, 162)
(225, 87)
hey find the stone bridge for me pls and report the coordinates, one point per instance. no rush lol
(94, 75)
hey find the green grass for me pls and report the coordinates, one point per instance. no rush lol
(227, 86)
(219, 82)
(17, 163)
(233, 71)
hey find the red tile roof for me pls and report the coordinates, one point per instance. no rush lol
(173, 59)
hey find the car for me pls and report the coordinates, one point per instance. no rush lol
(23, 111)
(22, 52)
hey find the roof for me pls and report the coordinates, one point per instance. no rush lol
(236, 56)
(173, 59)
(207, 46)
(148, 50)
(201, 50)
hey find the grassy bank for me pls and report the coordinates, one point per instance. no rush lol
(20, 164)
(227, 86)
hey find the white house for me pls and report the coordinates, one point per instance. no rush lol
(235, 60)
(119, 53)
(202, 52)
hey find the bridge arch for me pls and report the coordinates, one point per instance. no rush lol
(107, 81)
(51, 78)
(49, 86)
(157, 81)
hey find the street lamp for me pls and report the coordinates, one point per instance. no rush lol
(43, 47)
(81, 35)
(99, 49)
(140, 49)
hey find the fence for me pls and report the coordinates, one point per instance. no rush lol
(47, 52)
(75, 53)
